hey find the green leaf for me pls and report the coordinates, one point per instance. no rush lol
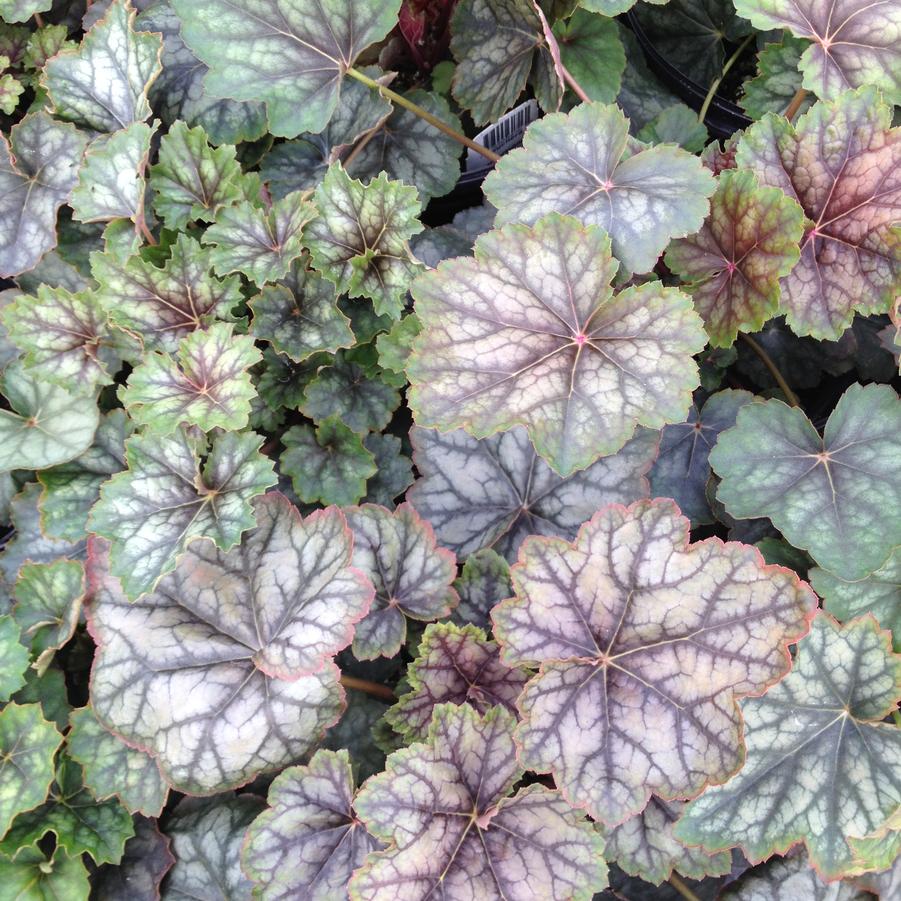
(300, 316)
(499, 46)
(777, 79)
(445, 809)
(22, 10)
(33, 876)
(255, 680)
(837, 496)
(192, 181)
(593, 53)
(395, 345)
(483, 582)
(81, 823)
(732, 266)
(359, 241)
(163, 305)
(165, 500)
(292, 58)
(46, 425)
(585, 163)
(13, 657)
(206, 384)
(308, 842)
(44, 43)
(530, 333)
(38, 169)
(27, 745)
(11, 89)
(48, 690)
(676, 124)
(329, 465)
(789, 878)
(820, 766)
(644, 642)
(394, 470)
(103, 83)
(262, 244)
(111, 767)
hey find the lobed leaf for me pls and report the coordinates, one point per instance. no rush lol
(13, 657)
(591, 50)
(46, 877)
(394, 470)
(483, 582)
(22, 10)
(777, 79)
(145, 862)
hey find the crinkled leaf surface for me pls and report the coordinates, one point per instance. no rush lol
(842, 163)
(145, 862)
(27, 745)
(328, 464)
(837, 496)
(309, 840)
(644, 641)
(879, 593)
(483, 582)
(732, 266)
(444, 807)
(46, 425)
(103, 83)
(788, 879)
(206, 835)
(163, 304)
(293, 58)
(457, 666)
(583, 163)
(258, 242)
(207, 383)
(38, 168)
(820, 766)
(682, 467)
(853, 42)
(529, 332)
(165, 500)
(359, 241)
(493, 492)
(777, 79)
(13, 657)
(411, 574)
(225, 670)
(112, 768)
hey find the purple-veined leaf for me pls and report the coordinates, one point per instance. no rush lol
(837, 496)
(411, 574)
(853, 42)
(309, 840)
(206, 835)
(103, 83)
(529, 332)
(682, 467)
(483, 582)
(45, 42)
(842, 163)
(205, 385)
(292, 58)
(359, 240)
(22, 10)
(261, 243)
(645, 641)
(732, 266)
(47, 424)
(38, 168)
(394, 470)
(145, 862)
(165, 500)
(455, 665)
(820, 765)
(163, 304)
(455, 239)
(777, 79)
(113, 768)
(585, 164)
(13, 657)
(644, 846)
(219, 689)
(445, 809)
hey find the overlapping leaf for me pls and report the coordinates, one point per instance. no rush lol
(483, 582)
(676, 124)
(492, 493)
(444, 808)
(842, 163)
(788, 879)
(777, 79)
(644, 641)
(591, 50)
(585, 164)
(254, 682)
(145, 862)
(394, 470)
(165, 500)
(837, 496)
(529, 332)
(820, 766)
(732, 266)
(412, 576)
(309, 841)
(293, 58)
(45, 876)
(22, 10)
(13, 657)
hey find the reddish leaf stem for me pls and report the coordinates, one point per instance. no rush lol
(554, 48)
(682, 888)
(790, 395)
(792, 109)
(377, 690)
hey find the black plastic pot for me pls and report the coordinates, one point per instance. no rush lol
(723, 118)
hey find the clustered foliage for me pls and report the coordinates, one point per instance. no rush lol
(356, 549)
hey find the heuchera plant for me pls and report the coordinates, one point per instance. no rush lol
(394, 508)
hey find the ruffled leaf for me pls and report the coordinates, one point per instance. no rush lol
(777, 79)
(483, 582)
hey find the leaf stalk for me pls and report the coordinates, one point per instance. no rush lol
(376, 689)
(677, 883)
(792, 109)
(790, 395)
(711, 93)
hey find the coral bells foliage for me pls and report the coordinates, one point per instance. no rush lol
(368, 536)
